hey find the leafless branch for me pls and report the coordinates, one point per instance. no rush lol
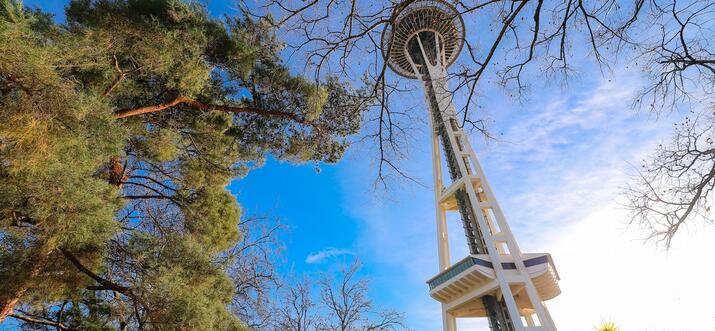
(677, 184)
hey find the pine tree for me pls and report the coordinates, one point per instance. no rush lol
(119, 131)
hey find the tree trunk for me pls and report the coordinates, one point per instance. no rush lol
(34, 267)
(9, 304)
(116, 171)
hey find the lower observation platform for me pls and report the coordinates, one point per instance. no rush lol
(461, 287)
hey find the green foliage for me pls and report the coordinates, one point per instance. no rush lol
(12, 10)
(51, 141)
(211, 216)
(140, 203)
(317, 97)
(186, 288)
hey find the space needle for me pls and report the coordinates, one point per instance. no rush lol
(496, 280)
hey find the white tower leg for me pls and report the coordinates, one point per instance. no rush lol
(448, 320)
(499, 270)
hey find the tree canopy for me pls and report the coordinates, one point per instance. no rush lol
(118, 133)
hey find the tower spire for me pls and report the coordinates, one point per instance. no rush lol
(496, 280)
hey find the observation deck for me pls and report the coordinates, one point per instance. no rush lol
(462, 286)
(432, 16)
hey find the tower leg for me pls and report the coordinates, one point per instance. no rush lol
(449, 322)
(529, 319)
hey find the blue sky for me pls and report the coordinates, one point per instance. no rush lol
(558, 170)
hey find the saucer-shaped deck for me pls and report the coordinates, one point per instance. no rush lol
(435, 16)
(462, 286)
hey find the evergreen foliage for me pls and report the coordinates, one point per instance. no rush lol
(118, 133)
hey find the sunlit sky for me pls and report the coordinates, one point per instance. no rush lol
(558, 168)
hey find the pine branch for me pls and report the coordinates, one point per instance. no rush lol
(121, 75)
(33, 320)
(104, 282)
(125, 113)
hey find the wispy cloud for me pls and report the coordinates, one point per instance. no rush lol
(557, 123)
(569, 156)
(321, 256)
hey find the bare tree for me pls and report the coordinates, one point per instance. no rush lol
(678, 54)
(252, 265)
(677, 184)
(674, 187)
(334, 301)
(297, 311)
(347, 306)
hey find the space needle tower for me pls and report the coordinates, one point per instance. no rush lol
(496, 280)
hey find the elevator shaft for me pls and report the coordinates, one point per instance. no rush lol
(497, 312)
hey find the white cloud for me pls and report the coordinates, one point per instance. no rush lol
(320, 256)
